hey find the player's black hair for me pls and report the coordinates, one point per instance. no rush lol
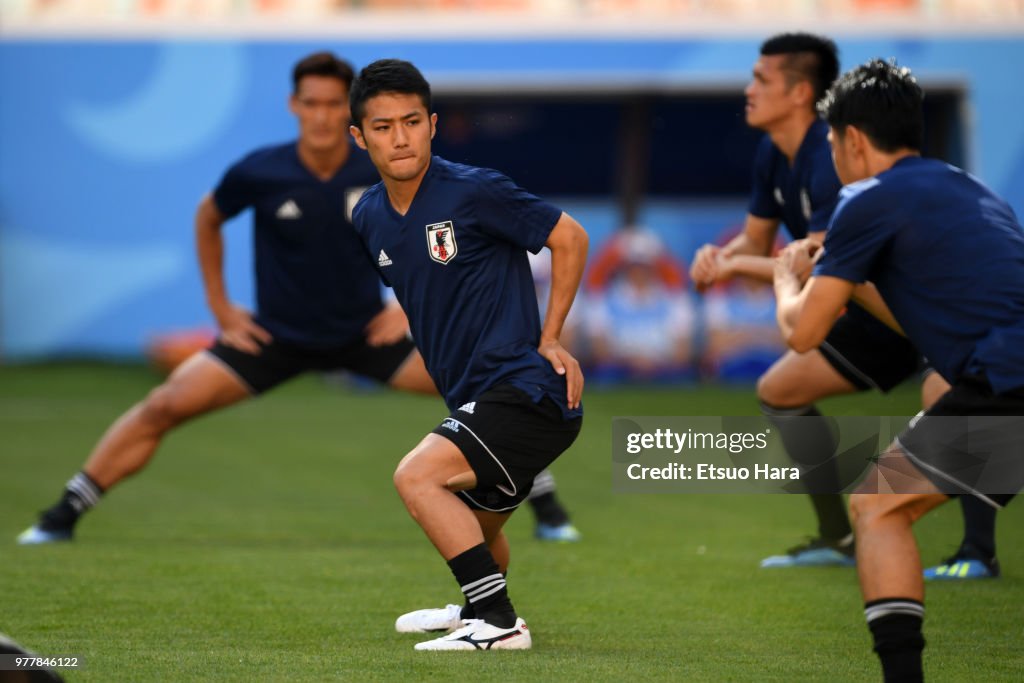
(323, 64)
(882, 100)
(808, 57)
(386, 76)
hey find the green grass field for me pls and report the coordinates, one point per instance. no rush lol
(266, 543)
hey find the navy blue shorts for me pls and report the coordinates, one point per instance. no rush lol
(970, 442)
(868, 353)
(507, 440)
(280, 361)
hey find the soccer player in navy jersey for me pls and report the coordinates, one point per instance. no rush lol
(452, 241)
(910, 237)
(319, 304)
(796, 184)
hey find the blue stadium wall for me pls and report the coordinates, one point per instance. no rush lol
(106, 146)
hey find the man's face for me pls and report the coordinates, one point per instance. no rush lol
(848, 162)
(321, 106)
(769, 97)
(396, 132)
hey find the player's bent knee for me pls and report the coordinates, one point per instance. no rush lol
(869, 509)
(773, 389)
(164, 408)
(411, 476)
(402, 478)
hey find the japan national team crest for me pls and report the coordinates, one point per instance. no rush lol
(441, 242)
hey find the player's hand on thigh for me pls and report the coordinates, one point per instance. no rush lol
(565, 364)
(240, 331)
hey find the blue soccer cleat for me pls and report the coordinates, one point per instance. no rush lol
(37, 535)
(962, 568)
(817, 552)
(560, 533)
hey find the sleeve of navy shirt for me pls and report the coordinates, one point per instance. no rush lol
(233, 193)
(858, 232)
(762, 196)
(508, 212)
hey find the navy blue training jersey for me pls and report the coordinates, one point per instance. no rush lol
(802, 196)
(314, 286)
(947, 255)
(457, 261)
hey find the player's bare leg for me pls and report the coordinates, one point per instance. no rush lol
(888, 562)
(453, 616)
(427, 479)
(471, 542)
(788, 391)
(799, 379)
(199, 385)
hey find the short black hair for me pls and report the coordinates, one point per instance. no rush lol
(323, 64)
(808, 57)
(386, 76)
(882, 100)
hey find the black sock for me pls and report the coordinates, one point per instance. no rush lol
(979, 529)
(833, 521)
(810, 441)
(468, 612)
(484, 587)
(895, 624)
(545, 505)
(80, 494)
(548, 510)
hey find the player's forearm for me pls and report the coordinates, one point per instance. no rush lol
(757, 267)
(747, 244)
(787, 305)
(210, 252)
(568, 244)
(806, 313)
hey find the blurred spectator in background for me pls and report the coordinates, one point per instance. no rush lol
(640, 320)
(741, 337)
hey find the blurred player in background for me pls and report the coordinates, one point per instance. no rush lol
(920, 231)
(795, 183)
(319, 304)
(452, 241)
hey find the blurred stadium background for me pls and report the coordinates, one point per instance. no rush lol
(265, 544)
(117, 116)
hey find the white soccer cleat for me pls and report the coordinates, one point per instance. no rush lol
(426, 620)
(477, 634)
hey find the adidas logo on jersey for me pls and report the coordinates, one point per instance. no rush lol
(289, 210)
(383, 259)
(469, 407)
(450, 424)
